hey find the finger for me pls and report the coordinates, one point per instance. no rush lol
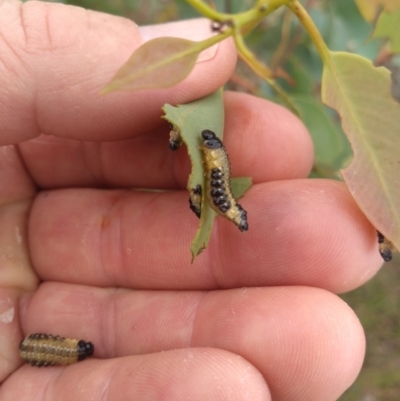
(302, 232)
(263, 140)
(16, 274)
(57, 58)
(307, 343)
(195, 374)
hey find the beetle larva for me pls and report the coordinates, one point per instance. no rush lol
(385, 247)
(195, 200)
(218, 187)
(175, 139)
(47, 350)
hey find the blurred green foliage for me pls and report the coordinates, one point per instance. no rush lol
(281, 43)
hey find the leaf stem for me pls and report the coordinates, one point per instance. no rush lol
(250, 59)
(204, 44)
(261, 70)
(311, 29)
(258, 12)
(285, 37)
(207, 11)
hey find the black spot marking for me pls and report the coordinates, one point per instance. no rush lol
(195, 200)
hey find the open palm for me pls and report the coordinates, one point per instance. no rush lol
(86, 254)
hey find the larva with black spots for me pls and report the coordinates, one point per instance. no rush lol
(385, 247)
(218, 189)
(195, 200)
(175, 139)
(48, 350)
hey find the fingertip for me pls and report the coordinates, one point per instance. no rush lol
(331, 345)
(316, 235)
(195, 374)
(307, 342)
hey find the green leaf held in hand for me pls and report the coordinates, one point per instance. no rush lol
(191, 119)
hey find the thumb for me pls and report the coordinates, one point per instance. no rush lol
(55, 59)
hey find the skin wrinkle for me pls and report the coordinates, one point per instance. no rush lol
(195, 315)
(21, 16)
(42, 40)
(109, 219)
(88, 19)
(213, 253)
(109, 325)
(122, 254)
(47, 25)
(35, 114)
(18, 57)
(96, 173)
(49, 388)
(84, 242)
(27, 173)
(102, 163)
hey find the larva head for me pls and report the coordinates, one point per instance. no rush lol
(210, 140)
(385, 247)
(175, 139)
(242, 223)
(85, 349)
(174, 145)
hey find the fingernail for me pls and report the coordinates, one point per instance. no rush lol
(194, 29)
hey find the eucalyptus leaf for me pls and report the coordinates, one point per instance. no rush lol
(370, 116)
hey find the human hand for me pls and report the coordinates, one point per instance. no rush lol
(84, 256)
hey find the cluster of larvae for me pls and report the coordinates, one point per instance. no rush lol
(218, 189)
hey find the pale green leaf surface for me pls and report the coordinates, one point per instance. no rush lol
(371, 120)
(396, 83)
(388, 26)
(240, 185)
(159, 63)
(191, 119)
(369, 8)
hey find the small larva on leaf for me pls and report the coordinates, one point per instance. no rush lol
(385, 247)
(218, 187)
(195, 200)
(47, 350)
(175, 139)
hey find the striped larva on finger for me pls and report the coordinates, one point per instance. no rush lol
(48, 350)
